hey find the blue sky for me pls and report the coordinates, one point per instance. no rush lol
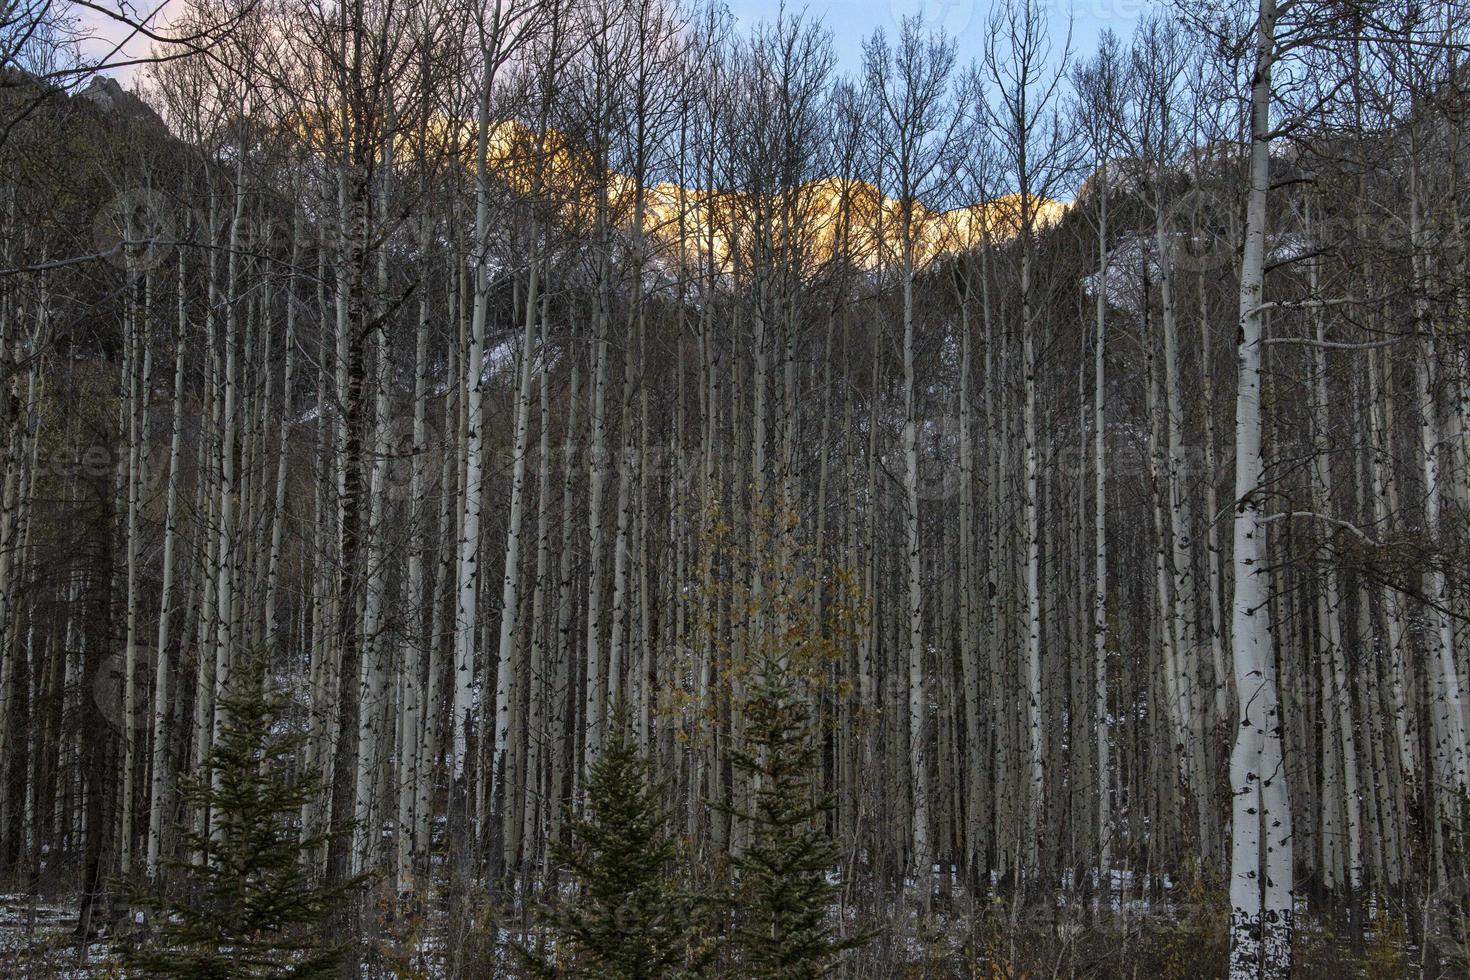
(852, 21)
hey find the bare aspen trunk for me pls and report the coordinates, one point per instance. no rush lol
(564, 721)
(227, 555)
(1447, 723)
(139, 382)
(372, 698)
(278, 509)
(536, 790)
(510, 595)
(158, 790)
(1261, 891)
(207, 502)
(617, 642)
(1101, 712)
(1032, 537)
(413, 734)
(1221, 677)
(1181, 557)
(468, 569)
(1338, 692)
(970, 609)
(918, 705)
(593, 702)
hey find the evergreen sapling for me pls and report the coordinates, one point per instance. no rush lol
(252, 908)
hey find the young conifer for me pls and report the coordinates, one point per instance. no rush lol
(786, 927)
(630, 921)
(252, 908)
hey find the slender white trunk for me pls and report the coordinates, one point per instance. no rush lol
(1212, 513)
(278, 509)
(158, 791)
(618, 639)
(592, 716)
(1035, 794)
(564, 721)
(412, 737)
(1447, 719)
(1101, 716)
(224, 596)
(510, 593)
(536, 732)
(1261, 892)
(969, 612)
(374, 670)
(1384, 497)
(139, 382)
(918, 702)
(207, 503)
(373, 677)
(468, 567)
(1181, 558)
(1338, 691)
(11, 463)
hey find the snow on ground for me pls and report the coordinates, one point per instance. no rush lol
(37, 939)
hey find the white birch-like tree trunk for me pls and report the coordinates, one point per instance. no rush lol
(918, 702)
(1338, 691)
(1447, 724)
(226, 556)
(510, 594)
(1261, 887)
(159, 785)
(1101, 712)
(413, 733)
(467, 567)
(139, 383)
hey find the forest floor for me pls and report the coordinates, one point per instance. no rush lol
(38, 941)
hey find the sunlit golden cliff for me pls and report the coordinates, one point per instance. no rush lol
(805, 227)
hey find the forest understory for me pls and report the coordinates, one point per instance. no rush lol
(586, 488)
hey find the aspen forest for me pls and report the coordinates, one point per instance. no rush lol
(614, 488)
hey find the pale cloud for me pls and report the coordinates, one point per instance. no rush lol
(108, 33)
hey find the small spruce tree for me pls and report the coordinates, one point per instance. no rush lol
(630, 921)
(784, 923)
(252, 909)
